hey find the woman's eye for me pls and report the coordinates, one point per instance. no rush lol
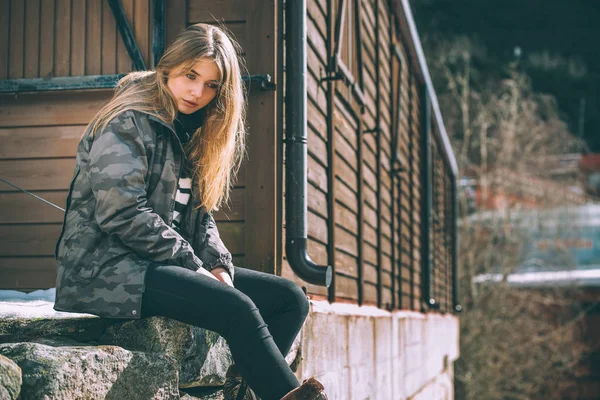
(191, 76)
(213, 86)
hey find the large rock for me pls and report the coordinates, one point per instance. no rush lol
(27, 320)
(10, 379)
(203, 355)
(92, 372)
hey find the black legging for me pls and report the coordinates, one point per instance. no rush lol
(240, 315)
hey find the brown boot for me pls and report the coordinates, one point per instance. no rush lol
(235, 387)
(311, 389)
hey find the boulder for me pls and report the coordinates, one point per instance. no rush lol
(10, 379)
(203, 355)
(26, 320)
(92, 372)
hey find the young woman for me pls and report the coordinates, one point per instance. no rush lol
(139, 238)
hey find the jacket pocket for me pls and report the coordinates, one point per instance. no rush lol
(68, 204)
(106, 251)
(84, 250)
(89, 270)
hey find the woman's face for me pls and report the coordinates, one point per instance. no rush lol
(196, 88)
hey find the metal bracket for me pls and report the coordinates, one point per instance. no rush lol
(432, 304)
(372, 130)
(295, 139)
(396, 165)
(264, 81)
(397, 171)
(333, 77)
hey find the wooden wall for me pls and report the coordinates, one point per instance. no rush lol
(364, 219)
(39, 132)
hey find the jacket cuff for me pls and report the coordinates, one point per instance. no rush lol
(194, 263)
(224, 261)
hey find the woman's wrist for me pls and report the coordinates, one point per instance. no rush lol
(221, 274)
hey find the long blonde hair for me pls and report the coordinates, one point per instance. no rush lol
(216, 149)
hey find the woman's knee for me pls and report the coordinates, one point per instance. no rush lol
(239, 314)
(296, 297)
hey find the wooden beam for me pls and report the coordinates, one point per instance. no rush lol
(175, 18)
(59, 83)
(339, 29)
(264, 82)
(158, 30)
(261, 180)
(127, 34)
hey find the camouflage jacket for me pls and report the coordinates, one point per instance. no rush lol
(118, 219)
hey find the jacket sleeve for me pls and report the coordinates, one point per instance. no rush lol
(213, 252)
(118, 166)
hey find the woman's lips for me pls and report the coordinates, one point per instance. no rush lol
(190, 103)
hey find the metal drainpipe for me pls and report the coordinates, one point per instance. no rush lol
(426, 167)
(455, 281)
(296, 148)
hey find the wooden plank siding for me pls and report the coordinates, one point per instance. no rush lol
(52, 38)
(37, 152)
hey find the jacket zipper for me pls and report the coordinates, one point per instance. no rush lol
(172, 208)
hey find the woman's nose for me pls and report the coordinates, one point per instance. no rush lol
(197, 91)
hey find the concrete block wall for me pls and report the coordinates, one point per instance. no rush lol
(367, 353)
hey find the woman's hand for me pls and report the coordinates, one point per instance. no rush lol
(222, 275)
(205, 272)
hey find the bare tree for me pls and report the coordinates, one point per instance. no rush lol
(515, 343)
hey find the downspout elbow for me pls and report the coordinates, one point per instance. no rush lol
(303, 266)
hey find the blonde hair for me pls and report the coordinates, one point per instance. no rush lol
(217, 148)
